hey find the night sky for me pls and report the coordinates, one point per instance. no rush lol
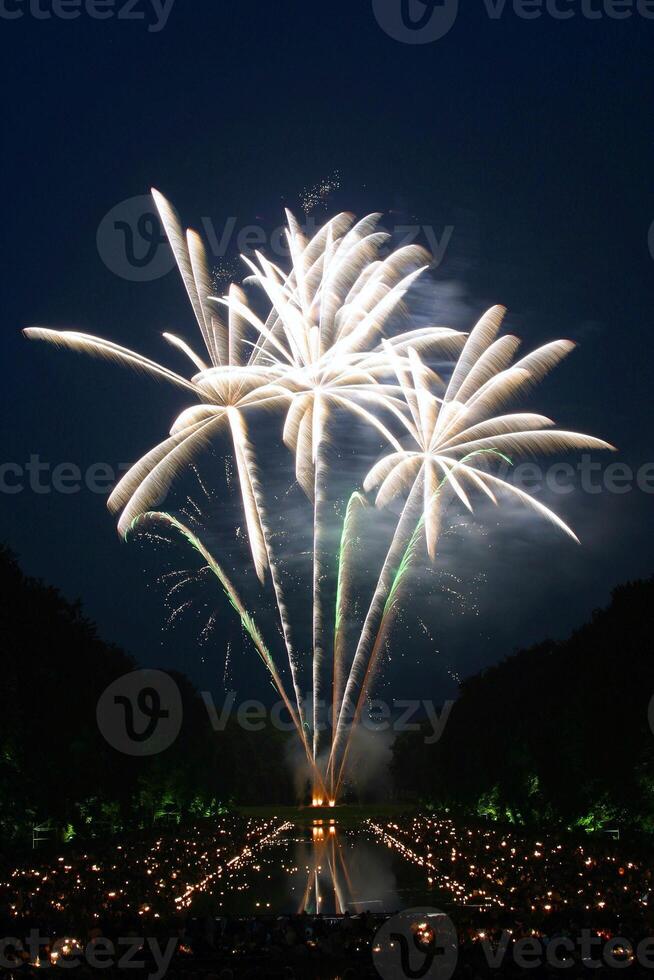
(531, 139)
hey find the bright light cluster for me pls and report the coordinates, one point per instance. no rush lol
(496, 868)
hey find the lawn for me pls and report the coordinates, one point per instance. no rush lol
(347, 815)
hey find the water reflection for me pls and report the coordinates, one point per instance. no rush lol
(342, 872)
(321, 868)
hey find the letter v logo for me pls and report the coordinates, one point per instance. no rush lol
(416, 21)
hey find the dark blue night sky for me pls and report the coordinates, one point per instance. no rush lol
(532, 139)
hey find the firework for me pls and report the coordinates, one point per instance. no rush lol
(335, 340)
(326, 320)
(449, 426)
(317, 195)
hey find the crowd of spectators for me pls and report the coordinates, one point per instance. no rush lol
(572, 906)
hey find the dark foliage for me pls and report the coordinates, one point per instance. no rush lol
(559, 731)
(56, 769)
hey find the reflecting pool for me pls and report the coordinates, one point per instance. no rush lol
(325, 869)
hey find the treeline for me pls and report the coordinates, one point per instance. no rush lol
(56, 769)
(556, 733)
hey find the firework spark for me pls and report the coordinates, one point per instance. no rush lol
(317, 195)
(334, 340)
(449, 425)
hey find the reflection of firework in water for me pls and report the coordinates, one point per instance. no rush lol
(331, 344)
